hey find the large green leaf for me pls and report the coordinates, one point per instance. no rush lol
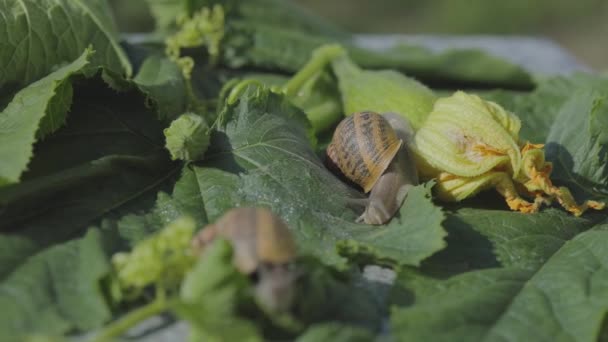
(38, 109)
(565, 298)
(578, 143)
(483, 238)
(462, 308)
(108, 159)
(261, 156)
(38, 35)
(56, 290)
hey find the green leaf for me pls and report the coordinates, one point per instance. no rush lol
(566, 296)
(38, 109)
(538, 109)
(211, 295)
(185, 200)
(264, 46)
(262, 157)
(577, 143)
(187, 138)
(483, 238)
(315, 91)
(457, 67)
(108, 160)
(359, 90)
(462, 308)
(567, 114)
(166, 12)
(39, 35)
(57, 290)
(282, 14)
(275, 13)
(321, 292)
(418, 219)
(335, 332)
(162, 82)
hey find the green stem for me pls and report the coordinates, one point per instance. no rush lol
(119, 327)
(345, 68)
(323, 116)
(240, 88)
(194, 103)
(320, 59)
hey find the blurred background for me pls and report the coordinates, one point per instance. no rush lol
(580, 26)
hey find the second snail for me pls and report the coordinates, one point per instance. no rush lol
(372, 151)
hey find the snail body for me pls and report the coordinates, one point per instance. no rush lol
(372, 151)
(262, 246)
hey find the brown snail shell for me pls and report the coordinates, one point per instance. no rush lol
(258, 236)
(362, 147)
(395, 173)
(262, 245)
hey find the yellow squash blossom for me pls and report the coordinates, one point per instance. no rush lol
(469, 145)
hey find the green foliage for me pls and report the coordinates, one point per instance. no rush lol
(265, 159)
(578, 142)
(335, 332)
(164, 85)
(85, 174)
(413, 235)
(166, 12)
(269, 48)
(201, 28)
(39, 35)
(108, 159)
(568, 115)
(161, 259)
(37, 110)
(210, 297)
(187, 138)
(315, 91)
(511, 303)
(382, 91)
(57, 290)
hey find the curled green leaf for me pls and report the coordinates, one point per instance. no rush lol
(187, 138)
(162, 259)
(203, 28)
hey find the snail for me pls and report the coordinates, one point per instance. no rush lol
(371, 150)
(263, 248)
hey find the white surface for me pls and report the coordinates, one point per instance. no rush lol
(535, 54)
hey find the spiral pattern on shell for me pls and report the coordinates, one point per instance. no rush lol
(362, 147)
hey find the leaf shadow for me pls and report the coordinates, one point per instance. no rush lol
(563, 173)
(466, 250)
(220, 155)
